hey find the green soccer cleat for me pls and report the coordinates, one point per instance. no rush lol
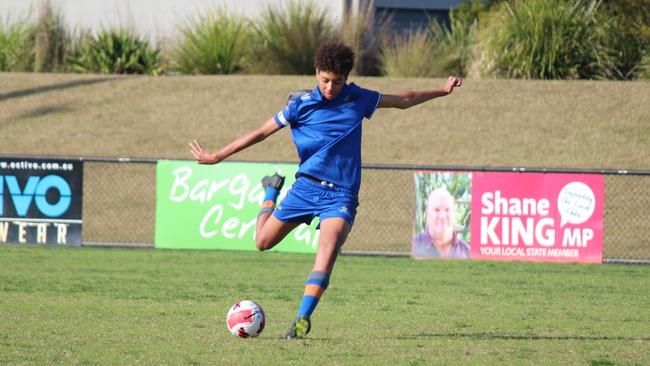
(299, 328)
(276, 181)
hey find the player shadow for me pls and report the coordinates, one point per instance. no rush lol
(306, 340)
(531, 337)
(59, 86)
(45, 110)
(36, 113)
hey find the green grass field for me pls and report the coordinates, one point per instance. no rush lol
(152, 307)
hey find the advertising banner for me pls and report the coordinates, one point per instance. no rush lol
(537, 217)
(216, 206)
(41, 201)
(508, 216)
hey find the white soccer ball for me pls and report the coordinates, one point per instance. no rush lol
(245, 319)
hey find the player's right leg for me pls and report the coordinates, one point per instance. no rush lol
(272, 185)
(269, 231)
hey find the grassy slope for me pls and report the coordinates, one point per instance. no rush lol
(590, 124)
(583, 124)
(94, 306)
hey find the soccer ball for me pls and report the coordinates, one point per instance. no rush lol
(245, 319)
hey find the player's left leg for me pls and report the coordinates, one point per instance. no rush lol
(333, 232)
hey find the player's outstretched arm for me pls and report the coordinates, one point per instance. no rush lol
(203, 156)
(408, 99)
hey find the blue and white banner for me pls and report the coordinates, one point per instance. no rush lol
(40, 201)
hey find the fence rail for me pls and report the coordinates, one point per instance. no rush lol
(119, 205)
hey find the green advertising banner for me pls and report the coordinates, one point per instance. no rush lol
(216, 206)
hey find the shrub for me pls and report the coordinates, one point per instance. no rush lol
(288, 36)
(216, 43)
(16, 44)
(408, 54)
(116, 52)
(363, 33)
(547, 39)
(630, 34)
(453, 45)
(52, 41)
(643, 67)
(636, 16)
(627, 50)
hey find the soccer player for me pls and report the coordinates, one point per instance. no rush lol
(326, 129)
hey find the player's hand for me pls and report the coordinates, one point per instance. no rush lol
(452, 82)
(202, 155)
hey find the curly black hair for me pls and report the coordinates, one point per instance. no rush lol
(334, 56)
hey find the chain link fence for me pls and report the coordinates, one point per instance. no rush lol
(119, 208)
(119, 203)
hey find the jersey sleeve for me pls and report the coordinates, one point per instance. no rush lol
(287, 116)
(372, 99)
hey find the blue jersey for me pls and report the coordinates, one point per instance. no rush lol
(327, 133)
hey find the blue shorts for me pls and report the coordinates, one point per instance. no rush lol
(307, 199)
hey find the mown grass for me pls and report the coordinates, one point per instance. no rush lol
(581, 124)
(112, 306)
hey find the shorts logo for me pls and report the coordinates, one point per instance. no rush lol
(344, 209)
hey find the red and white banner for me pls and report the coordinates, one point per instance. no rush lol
(537, 217)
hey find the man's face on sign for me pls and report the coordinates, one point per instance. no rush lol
(440, 214)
